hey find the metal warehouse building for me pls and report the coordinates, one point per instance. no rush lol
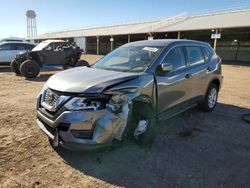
(228, 32)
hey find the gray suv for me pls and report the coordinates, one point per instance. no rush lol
(127, 91)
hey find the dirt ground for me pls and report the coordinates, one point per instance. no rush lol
(194, 149)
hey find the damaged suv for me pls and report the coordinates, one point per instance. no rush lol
(127, 91)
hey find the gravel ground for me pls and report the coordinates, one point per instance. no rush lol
(194, 149)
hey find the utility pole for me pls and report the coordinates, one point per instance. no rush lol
(215, 40)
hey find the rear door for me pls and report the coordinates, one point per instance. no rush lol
(175, 87)
(199, 69)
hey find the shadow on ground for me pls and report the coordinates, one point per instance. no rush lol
(44, 75)
(194, 149)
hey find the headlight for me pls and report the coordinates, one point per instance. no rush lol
(79, 103)
(116, 103)
(120, 98)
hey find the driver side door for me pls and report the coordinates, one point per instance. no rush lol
(174, 87)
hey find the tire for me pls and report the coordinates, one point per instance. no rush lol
(147, 138)
(211, 97)
(82, 63)
(65, 67)
(15, 67)
(246, 118)
(30, 69)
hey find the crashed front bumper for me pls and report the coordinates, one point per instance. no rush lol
(84, 129)
(71, 145)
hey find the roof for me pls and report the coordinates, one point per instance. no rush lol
(125, 29)
(46, 43)
(214, 21)
(163, 42)
(16, 42)
(233, 19)
(51, 41)
(12, 39)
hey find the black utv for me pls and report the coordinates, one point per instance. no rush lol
(49, 52)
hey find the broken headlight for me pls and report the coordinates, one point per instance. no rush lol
(80, 103)
(116, 103)
(120, 98)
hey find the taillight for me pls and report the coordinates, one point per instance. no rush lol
(219, 60)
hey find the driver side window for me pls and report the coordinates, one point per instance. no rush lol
(176, 58)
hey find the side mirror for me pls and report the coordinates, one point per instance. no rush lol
(166, 67)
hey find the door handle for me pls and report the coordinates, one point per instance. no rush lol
(188, 76)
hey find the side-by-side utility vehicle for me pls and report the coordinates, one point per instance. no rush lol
(49, 52)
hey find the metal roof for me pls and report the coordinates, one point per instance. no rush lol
(233, 19)
(125, 29)
(214, 21)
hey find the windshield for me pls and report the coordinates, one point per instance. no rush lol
(40, 46)
(129, 59)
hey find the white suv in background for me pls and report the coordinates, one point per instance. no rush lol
(9, 50)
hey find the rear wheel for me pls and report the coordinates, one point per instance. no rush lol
(210, 100)
(145, 126)
(82, 63)
(15, 67)
(30, 69)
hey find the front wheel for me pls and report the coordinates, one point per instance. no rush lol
(65, 67)
(15, 67)
(145, 128)
(82, 63)
(30, 69)
(210, 100)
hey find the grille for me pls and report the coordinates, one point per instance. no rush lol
(51, 98)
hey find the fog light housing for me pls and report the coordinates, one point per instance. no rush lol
(83, 134)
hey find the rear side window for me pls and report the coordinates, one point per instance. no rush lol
(194, 55)
(207, 53)
(176, 58)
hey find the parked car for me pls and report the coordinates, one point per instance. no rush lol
(127, 91)
(49, 52)
(9, 50)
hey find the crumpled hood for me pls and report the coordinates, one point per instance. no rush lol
(87, 80)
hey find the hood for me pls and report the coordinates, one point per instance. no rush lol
(87, 80)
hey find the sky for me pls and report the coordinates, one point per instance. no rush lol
(55, 15)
